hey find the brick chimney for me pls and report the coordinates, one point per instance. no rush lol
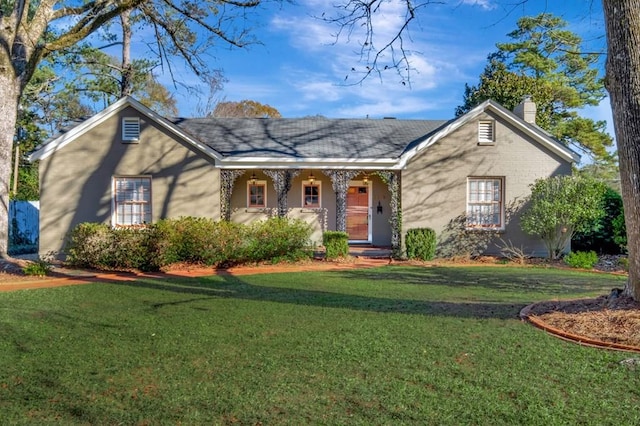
(526, 110)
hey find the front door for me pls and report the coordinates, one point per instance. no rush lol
(358, 213)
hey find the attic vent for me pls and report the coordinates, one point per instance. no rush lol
(130, 129)
(486, 132)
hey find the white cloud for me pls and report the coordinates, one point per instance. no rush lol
(484, 4)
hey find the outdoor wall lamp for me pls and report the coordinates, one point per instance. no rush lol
(253, 179)
(311, 178)
(379, 208)
(365, 179)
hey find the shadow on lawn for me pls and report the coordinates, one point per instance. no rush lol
(551, 282)
(227, 286)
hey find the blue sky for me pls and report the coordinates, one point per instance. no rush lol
(299, 68)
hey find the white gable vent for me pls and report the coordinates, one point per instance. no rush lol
(131, 129)
(486, 132)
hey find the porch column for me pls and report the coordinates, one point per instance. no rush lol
(227, 179)
(340, 182)
(392, 179)
(282, 183)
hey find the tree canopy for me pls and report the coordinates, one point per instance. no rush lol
(245, 108)
(545, 61)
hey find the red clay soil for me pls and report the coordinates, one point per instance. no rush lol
(13, 278)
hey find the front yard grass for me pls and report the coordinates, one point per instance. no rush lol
(391, 345)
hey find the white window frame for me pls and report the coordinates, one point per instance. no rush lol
(130, 129)
(308, 184)
(486, 132)
(262, 183)
(484, 201)
(143, 204)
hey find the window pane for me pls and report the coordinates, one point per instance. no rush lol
(256, 195)
(132, 200)
(484, 205)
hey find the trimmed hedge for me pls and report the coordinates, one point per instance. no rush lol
(336, 244)
(187, 239)
(421, 243)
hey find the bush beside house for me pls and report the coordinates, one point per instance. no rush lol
(187, 239)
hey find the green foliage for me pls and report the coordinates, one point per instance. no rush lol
(39, 268)
(601, 234)
(546, 62)
(559, 207)
(620, 231)
(277, 238)
(336, 244)
(246, 109)
(581, 259)
(421, 243)
(87, 243)
(187, 239)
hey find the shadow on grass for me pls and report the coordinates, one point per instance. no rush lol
(553, 282)
(235, 287)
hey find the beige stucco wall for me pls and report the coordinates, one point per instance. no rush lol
(434, 183)
(76, 180)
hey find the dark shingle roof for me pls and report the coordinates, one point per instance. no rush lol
(308, 137)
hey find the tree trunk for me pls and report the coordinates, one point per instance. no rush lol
(126, 82)
(622, 19)
(10, 89)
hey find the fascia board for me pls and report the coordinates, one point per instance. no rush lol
(109, 112)
(538, 135)
(308, 163)
(63, 140)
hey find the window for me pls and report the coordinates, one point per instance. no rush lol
(257, 193)
(486, 132)
(310, 194)
(132, 200)
(484, 203)
(131, 129)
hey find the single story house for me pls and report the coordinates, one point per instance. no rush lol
(373, 178)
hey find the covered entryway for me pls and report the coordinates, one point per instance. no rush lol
(358, 212)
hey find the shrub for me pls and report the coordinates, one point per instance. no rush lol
(421, 243)
(581, 259)
(277, 238)
(601, 234)
(39, 268)
(620, 231)
(187, 239)
(336, 244)
(87, 244)
(561, 206)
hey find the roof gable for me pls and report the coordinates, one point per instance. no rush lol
(60, 141)
(537, 134)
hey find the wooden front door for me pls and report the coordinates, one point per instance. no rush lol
(358, 213)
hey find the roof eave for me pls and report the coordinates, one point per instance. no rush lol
(63, 140)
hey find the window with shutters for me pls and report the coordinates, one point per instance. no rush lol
(486, 132)
(131, 201)
(131, 129)
(485, 205)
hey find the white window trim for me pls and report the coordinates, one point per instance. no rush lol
(257, 182)
(131, 129)
(309, 183)
(501, 226)
(483, 125)
(114, 212)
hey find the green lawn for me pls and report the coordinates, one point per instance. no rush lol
(392, 345)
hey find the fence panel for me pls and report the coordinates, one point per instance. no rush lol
(24, 219)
